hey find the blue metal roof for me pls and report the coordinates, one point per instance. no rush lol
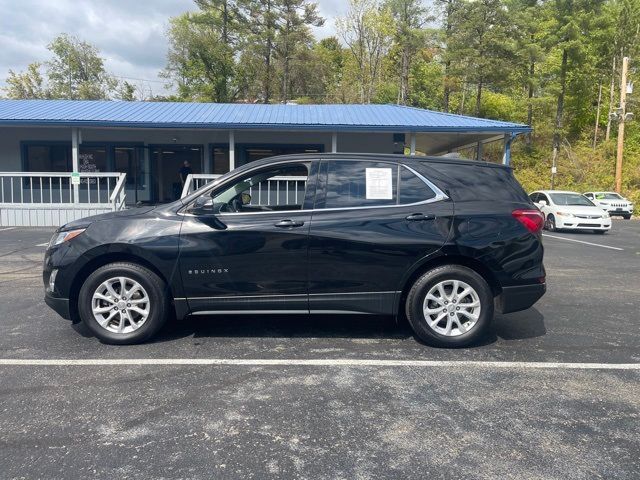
(392, 118)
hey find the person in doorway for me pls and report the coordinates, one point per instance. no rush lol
(185, 171)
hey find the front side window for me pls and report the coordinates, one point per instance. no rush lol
(278, 188)
(361, 184)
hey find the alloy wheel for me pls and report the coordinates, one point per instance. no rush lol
(452, 308)
(120, 305)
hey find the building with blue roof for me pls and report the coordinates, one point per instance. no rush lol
(151, 141)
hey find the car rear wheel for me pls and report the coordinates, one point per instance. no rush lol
(627, 217)
(450, 306)
(123, 303)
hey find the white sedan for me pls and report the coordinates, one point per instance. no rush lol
(570, 211)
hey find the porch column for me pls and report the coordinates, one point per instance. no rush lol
(232, 150)
(479, 152)
(506, 156)
(207, 158)
(334, 142)
(75, 158)
(412, 145)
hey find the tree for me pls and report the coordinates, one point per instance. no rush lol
(481, 44)
(409, 19)
(448, 8)
(531, 19)
(366, 30)
(202, 49)
(294, 37)
(573, 22)
(77, 71)
(127, 91)
(26, 85)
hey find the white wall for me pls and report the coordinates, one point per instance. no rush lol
(10, 138)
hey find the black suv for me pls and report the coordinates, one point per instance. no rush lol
(441, 240)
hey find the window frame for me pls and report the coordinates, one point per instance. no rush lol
(318, 177)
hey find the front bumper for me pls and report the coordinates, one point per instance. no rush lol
(618, 211)
(515, 299)
(59, 305)
(574, 223)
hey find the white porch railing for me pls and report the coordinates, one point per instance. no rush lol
(196, 180)
(51, 198)
(283, 190)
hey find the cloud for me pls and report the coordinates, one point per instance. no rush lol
(130, 34)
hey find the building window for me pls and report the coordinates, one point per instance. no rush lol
(93, 159)
(220, 159)
(47, 158)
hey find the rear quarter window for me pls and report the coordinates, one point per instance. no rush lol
(469, 182)
(412, 188)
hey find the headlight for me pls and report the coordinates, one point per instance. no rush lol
(61, 237)
(564, 214)
(606, 215)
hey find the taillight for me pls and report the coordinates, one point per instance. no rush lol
(533, 220)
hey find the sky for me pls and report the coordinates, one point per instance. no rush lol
(130, 34)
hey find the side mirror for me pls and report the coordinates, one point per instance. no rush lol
(542, 203)
(203, 205)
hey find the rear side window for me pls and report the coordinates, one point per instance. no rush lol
(360, 184)
(412, 188)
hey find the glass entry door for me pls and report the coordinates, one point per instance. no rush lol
(169, 162)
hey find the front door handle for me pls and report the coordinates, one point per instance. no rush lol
(419, 217)
(288, 223)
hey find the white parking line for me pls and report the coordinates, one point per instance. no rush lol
(337, 362)
(42, 244)
(5, 229)
(581, 241)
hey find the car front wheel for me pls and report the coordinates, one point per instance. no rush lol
(550, 223)
(450, 306)
(123, 303)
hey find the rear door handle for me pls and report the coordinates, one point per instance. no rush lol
(419, 217)
(288, 223)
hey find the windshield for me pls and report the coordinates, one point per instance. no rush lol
(570, 199)
(608, 196)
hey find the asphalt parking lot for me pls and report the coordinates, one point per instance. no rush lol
(553, 392)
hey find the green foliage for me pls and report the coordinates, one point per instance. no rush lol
(26, 85)
(75, 72)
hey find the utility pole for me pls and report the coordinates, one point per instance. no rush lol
(622, 118)
(595, 130)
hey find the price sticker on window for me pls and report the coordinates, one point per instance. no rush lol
(379, 183)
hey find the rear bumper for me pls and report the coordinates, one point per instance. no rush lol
(514, 299)
(59, 305)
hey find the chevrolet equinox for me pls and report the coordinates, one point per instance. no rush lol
(443, 241)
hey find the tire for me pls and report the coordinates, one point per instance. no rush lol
(435, 333)
(627, 217)
(550, 223)
(136, 327)
(600, 232)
